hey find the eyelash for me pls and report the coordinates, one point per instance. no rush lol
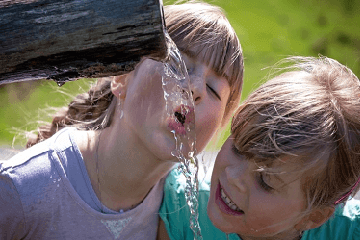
(263, 184)
(260, 177)
(214, 92)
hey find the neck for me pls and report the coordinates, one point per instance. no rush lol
(127, 170)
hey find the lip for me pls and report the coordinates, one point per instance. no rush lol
(222, 205)
(179, 127)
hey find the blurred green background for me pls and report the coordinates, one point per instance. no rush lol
(269, 30)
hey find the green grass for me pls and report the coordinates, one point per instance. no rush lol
(22, 105)
(269, 30)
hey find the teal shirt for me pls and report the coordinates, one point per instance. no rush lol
(343, 225)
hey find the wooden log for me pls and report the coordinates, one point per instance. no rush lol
(71, 39)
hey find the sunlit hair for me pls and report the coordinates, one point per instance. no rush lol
(309, 114)
(190, 25)
(202, 31)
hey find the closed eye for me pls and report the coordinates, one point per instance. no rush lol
(260, 175)
(263, 184)
(213, 91)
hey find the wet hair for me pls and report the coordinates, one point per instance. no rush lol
(190, 25)
(311, 115)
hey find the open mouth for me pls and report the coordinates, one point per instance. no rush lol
(228, 201)
(226, 204)
(183, 116)
(180, 117)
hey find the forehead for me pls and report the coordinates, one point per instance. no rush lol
(219, 83)
(203, 57)
(206, 55)
(220, 56)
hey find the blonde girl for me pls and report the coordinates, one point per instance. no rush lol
(100, 172)
(291, 163)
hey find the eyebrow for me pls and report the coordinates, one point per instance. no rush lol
(283, 184)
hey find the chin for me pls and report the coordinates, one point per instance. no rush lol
(219, 224)
(159, 141)
(216, 216)
(164, 154)
(223, 226)
(213, 213)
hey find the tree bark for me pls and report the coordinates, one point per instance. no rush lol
(69, 39)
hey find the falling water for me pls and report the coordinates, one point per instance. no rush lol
(180, 106)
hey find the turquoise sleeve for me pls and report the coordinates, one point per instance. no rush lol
(343, 225)
(173, 210)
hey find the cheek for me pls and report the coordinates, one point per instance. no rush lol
(145, 95)
(206, 126)
(218, 169)
(150, 88)
(271, 215)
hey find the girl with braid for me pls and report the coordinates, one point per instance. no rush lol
(97, 172)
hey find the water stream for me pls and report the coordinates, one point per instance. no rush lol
(179, 100)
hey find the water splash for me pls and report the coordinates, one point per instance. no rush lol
(180, 107)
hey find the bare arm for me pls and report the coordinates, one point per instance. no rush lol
(162, 232)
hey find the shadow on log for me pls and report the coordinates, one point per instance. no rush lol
(72, 39)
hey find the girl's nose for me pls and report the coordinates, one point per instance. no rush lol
(197, 86)
(196, 98)
(237, 176)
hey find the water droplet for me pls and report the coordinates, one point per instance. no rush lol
(60, 83)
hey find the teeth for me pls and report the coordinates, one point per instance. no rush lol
(228, 202)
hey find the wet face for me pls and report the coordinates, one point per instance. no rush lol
(145, 108)
(251, 203)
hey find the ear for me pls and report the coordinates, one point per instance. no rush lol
(119, 86)
(315, 219)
